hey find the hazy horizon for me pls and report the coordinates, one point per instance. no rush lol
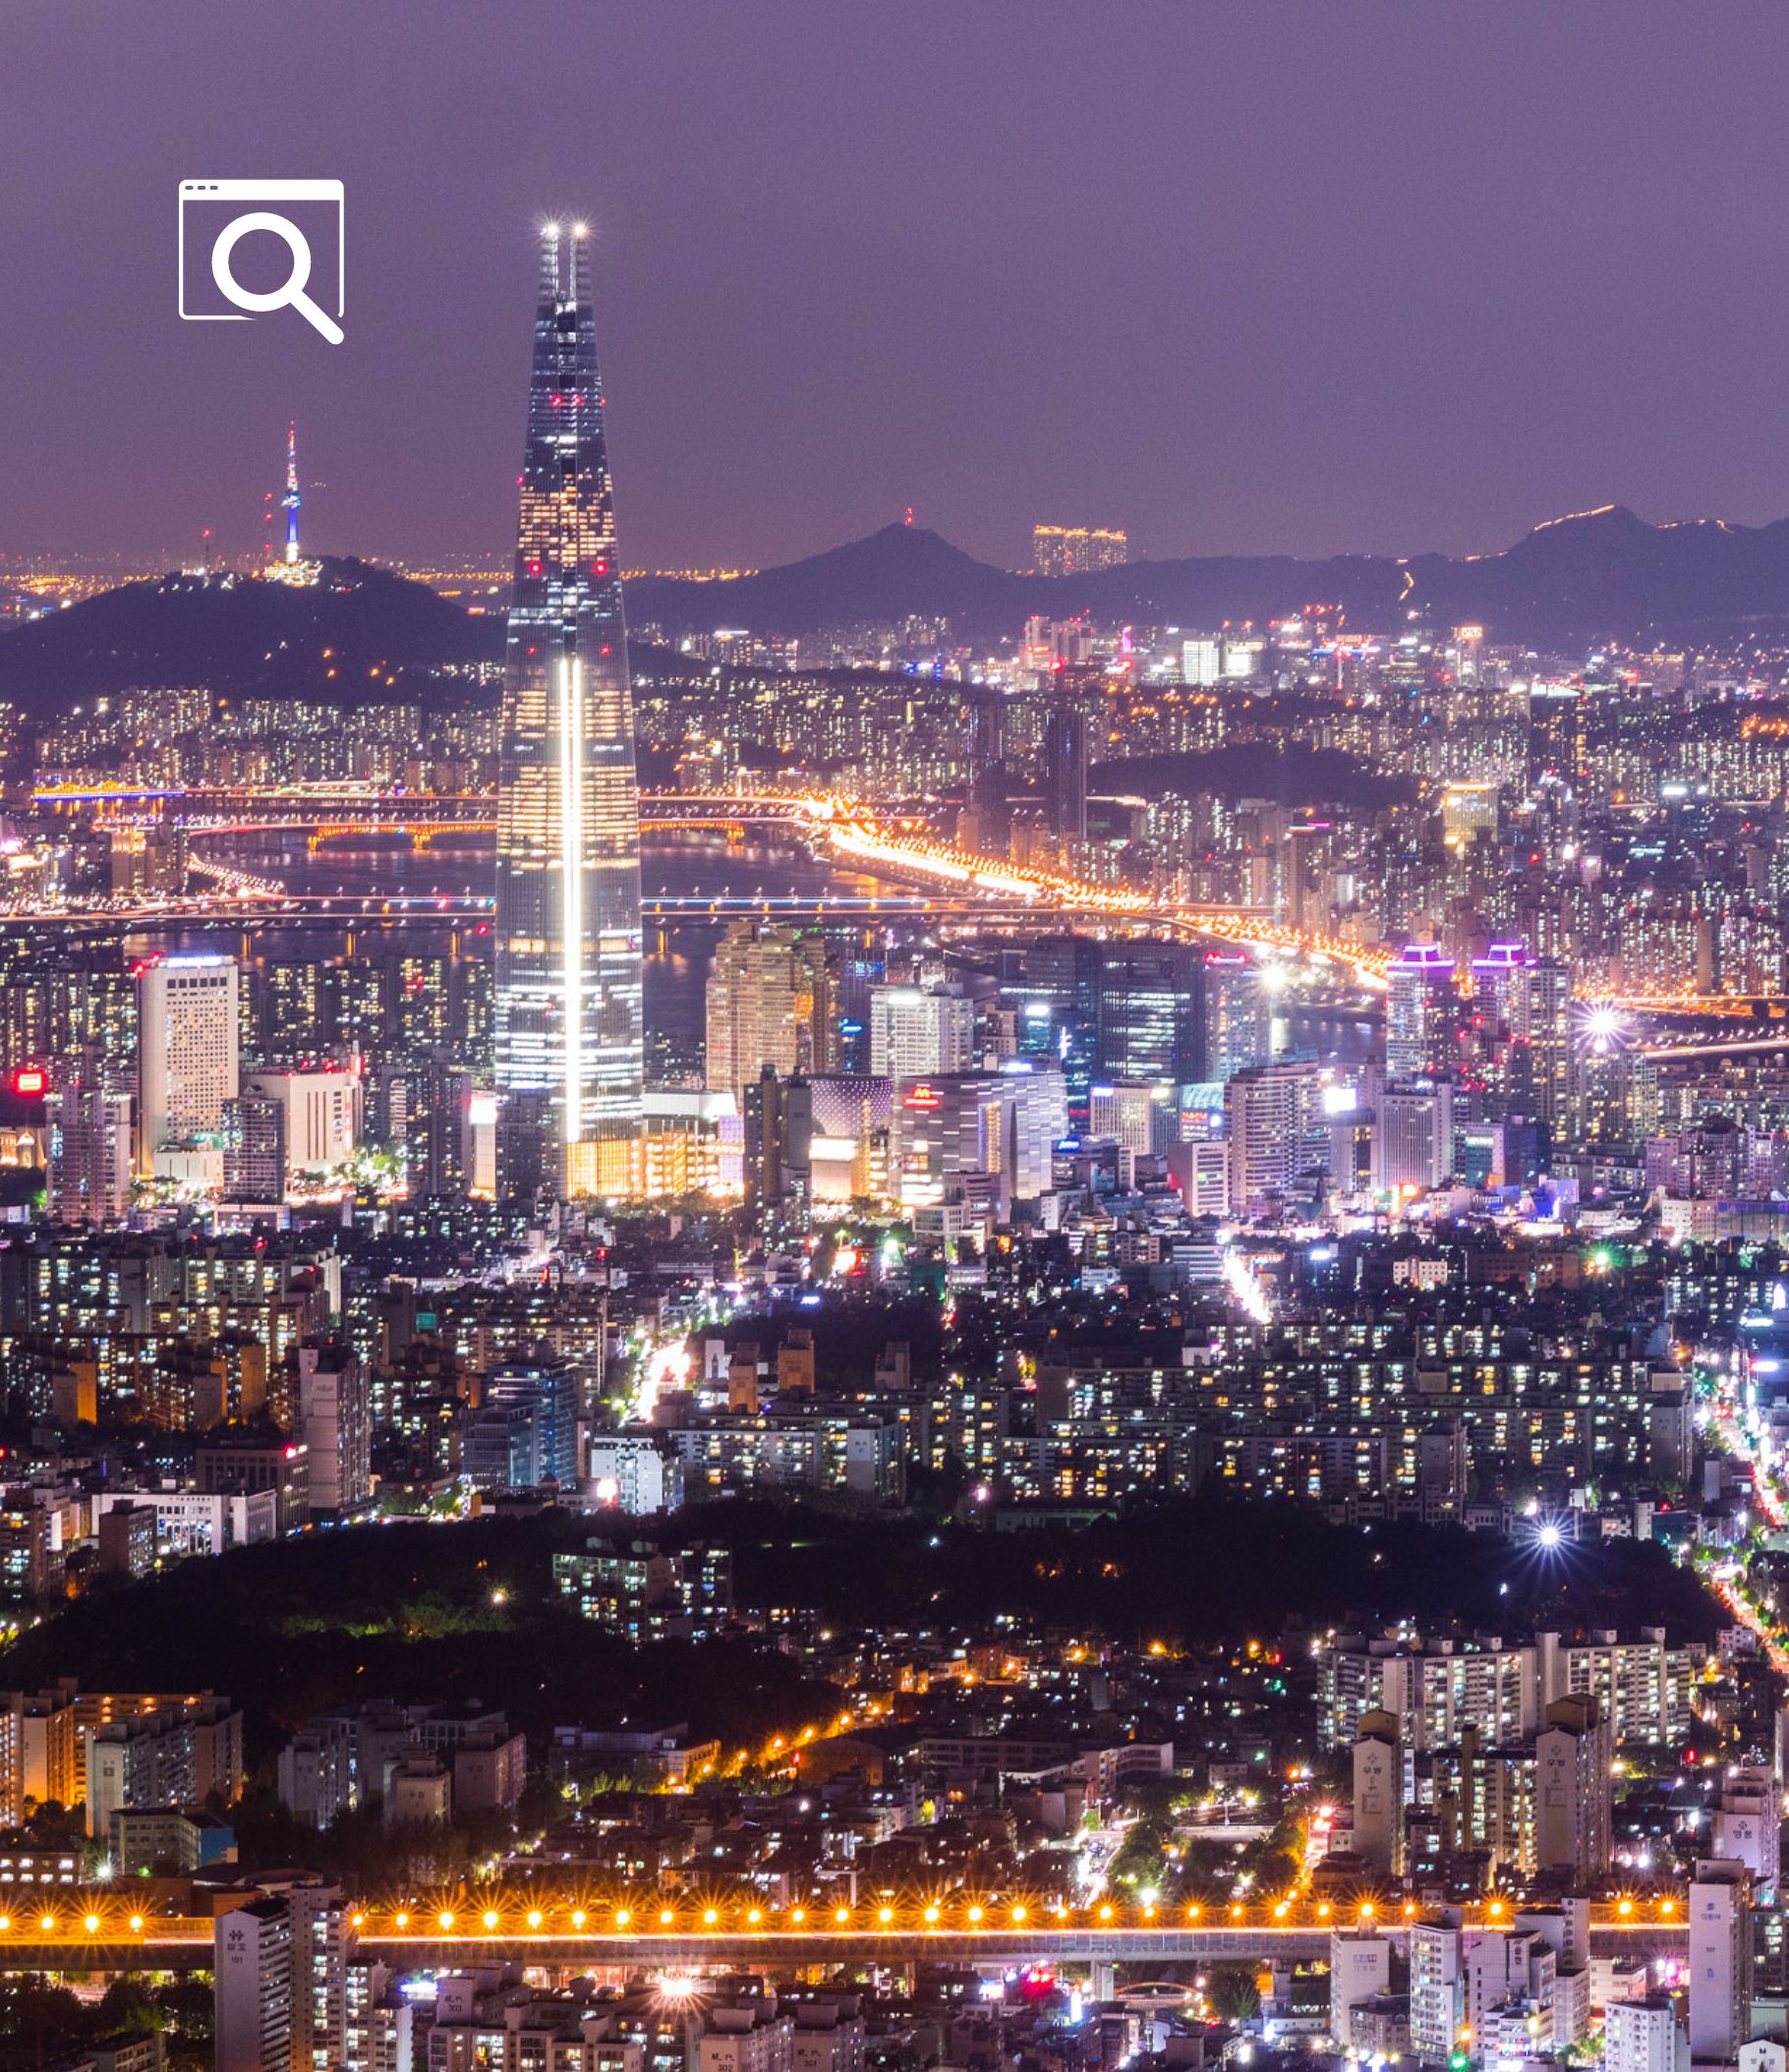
(1280, 278)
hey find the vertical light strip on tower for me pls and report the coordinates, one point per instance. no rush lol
(571, 868)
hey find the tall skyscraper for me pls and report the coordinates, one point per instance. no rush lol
(570, 1057)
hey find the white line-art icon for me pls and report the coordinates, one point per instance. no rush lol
(211, 205)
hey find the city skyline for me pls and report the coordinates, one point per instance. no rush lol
(1073, 1284)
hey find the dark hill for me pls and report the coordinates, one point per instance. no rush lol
(1288, 772)
(341, 639)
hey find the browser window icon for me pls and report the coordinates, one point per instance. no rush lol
(229, 228)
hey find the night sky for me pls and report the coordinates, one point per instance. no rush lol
(1254, 276)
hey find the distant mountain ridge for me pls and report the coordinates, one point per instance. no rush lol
(1596, 575)
(363, 633)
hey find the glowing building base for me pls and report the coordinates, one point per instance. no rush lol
(610, 1169)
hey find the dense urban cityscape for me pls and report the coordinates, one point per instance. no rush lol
(890, 1315)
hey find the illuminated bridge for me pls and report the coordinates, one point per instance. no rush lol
(326, 810)
(856, 832)
(100, 1932)
(279, 909)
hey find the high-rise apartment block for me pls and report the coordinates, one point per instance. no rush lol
(88, 1114)
(1378, 1797)
(1719, 1963)
(1074, 549)
(335, 1419)
(768, 1005)
(1422, 1006)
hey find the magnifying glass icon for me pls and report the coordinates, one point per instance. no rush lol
(291, 294)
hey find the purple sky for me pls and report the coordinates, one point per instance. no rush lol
(1242, 275)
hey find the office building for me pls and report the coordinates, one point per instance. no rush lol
(571, 1053)
(526, 1430)
(1149, 1021)
(1413, 1146)
(981, 1140)
(1144, 1120)
(1202, 660)
(920, 1030)
(319, 1115)
(1238, 1014)
(188, 1051)
(254, 1149)
(1267, 1112)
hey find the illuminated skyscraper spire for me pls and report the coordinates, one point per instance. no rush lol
(289, 502)
(569, 1039)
